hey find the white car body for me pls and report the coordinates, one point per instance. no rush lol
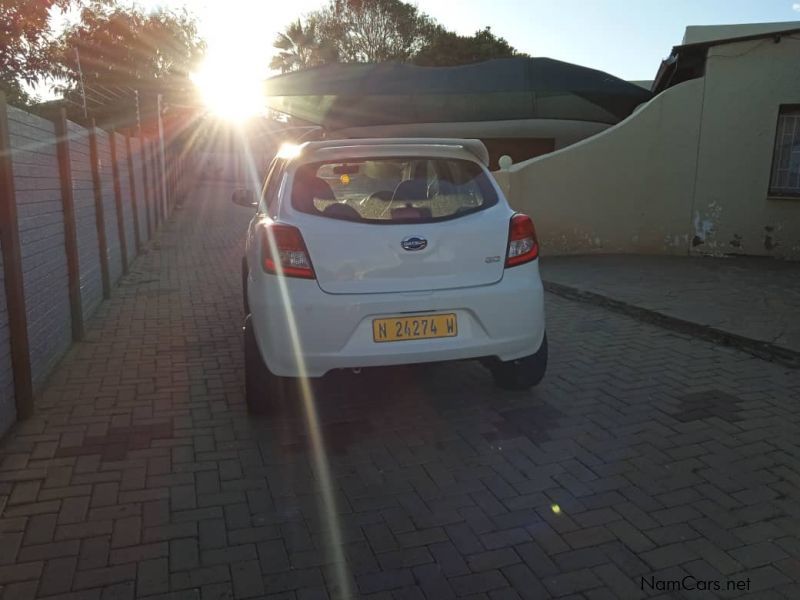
(307, 327)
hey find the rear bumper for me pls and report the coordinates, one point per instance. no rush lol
(315, 332)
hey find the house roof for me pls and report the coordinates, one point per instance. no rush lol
(687, 61)
(715, 34)
(339, 96)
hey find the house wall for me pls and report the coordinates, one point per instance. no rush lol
(745, 84)
(687, 172)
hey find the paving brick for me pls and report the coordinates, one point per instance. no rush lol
(477, 583)
(9, 546)
(183, 497)
(523, 580)
(25, 590)
(170, 532)
(57, 576)
(492, 559)
(222, 591)
(504, 539)
(464, 538)
(83, 530)
(105, 494)
(48, 551)
(200, 577)
(590, 536)
(433, 582)
(104, 576)
(385, 580)
(73, 510)
(183, 554)
(571, 582)
(126, 532)
(229, 554)
(24, 492)
(138, 553)
(583, 558)
(537, 559)
(406, 558)
(20, 572)
(212, 533)
(94, 552)
(152, 576)
(272, 556)
(119, 591)
(449, 559)
(758, 555)
(32, 508)
(247, 580)
(422, 537)
(668, 556)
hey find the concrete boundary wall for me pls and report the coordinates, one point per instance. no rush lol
(91, 282)
(50, 265)
(8, 412)
(109, 207)
(41, 227)
(125, 189)
(603, 194)
(141, 183)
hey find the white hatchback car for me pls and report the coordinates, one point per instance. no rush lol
(378, 252)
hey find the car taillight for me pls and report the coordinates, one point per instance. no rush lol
(522, 243)
(283, 252)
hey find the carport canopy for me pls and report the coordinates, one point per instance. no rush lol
(338, 96)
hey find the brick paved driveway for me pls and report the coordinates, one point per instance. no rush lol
(643, 454)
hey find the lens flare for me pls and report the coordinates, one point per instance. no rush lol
(327, 500)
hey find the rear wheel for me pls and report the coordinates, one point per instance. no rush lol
(264, 392)
(522, 373)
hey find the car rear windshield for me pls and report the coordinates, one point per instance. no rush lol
(392, 190)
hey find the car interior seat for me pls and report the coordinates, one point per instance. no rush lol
(306, 189)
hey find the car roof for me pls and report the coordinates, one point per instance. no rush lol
(381, 147)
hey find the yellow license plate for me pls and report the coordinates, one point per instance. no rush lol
(420, 327)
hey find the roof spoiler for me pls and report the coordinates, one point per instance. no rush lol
(473, 146)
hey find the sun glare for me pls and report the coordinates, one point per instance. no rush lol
(230, 90)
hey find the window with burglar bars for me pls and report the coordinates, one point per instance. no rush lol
(785, 177)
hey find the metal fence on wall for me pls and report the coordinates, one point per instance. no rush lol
(77, 205)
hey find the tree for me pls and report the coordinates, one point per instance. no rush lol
(374, 30)
(371, 31)
(25, 44)
(446, 48)
(153, 52)
(301, 47)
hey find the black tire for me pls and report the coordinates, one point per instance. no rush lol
(244, 287)
(523, 373)
(265, 393)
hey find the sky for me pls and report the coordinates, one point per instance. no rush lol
(627, 38)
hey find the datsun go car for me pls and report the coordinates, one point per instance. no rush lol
(377, 252)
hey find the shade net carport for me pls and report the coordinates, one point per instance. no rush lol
(360, 95)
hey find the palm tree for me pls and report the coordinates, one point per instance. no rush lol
(301, 47)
